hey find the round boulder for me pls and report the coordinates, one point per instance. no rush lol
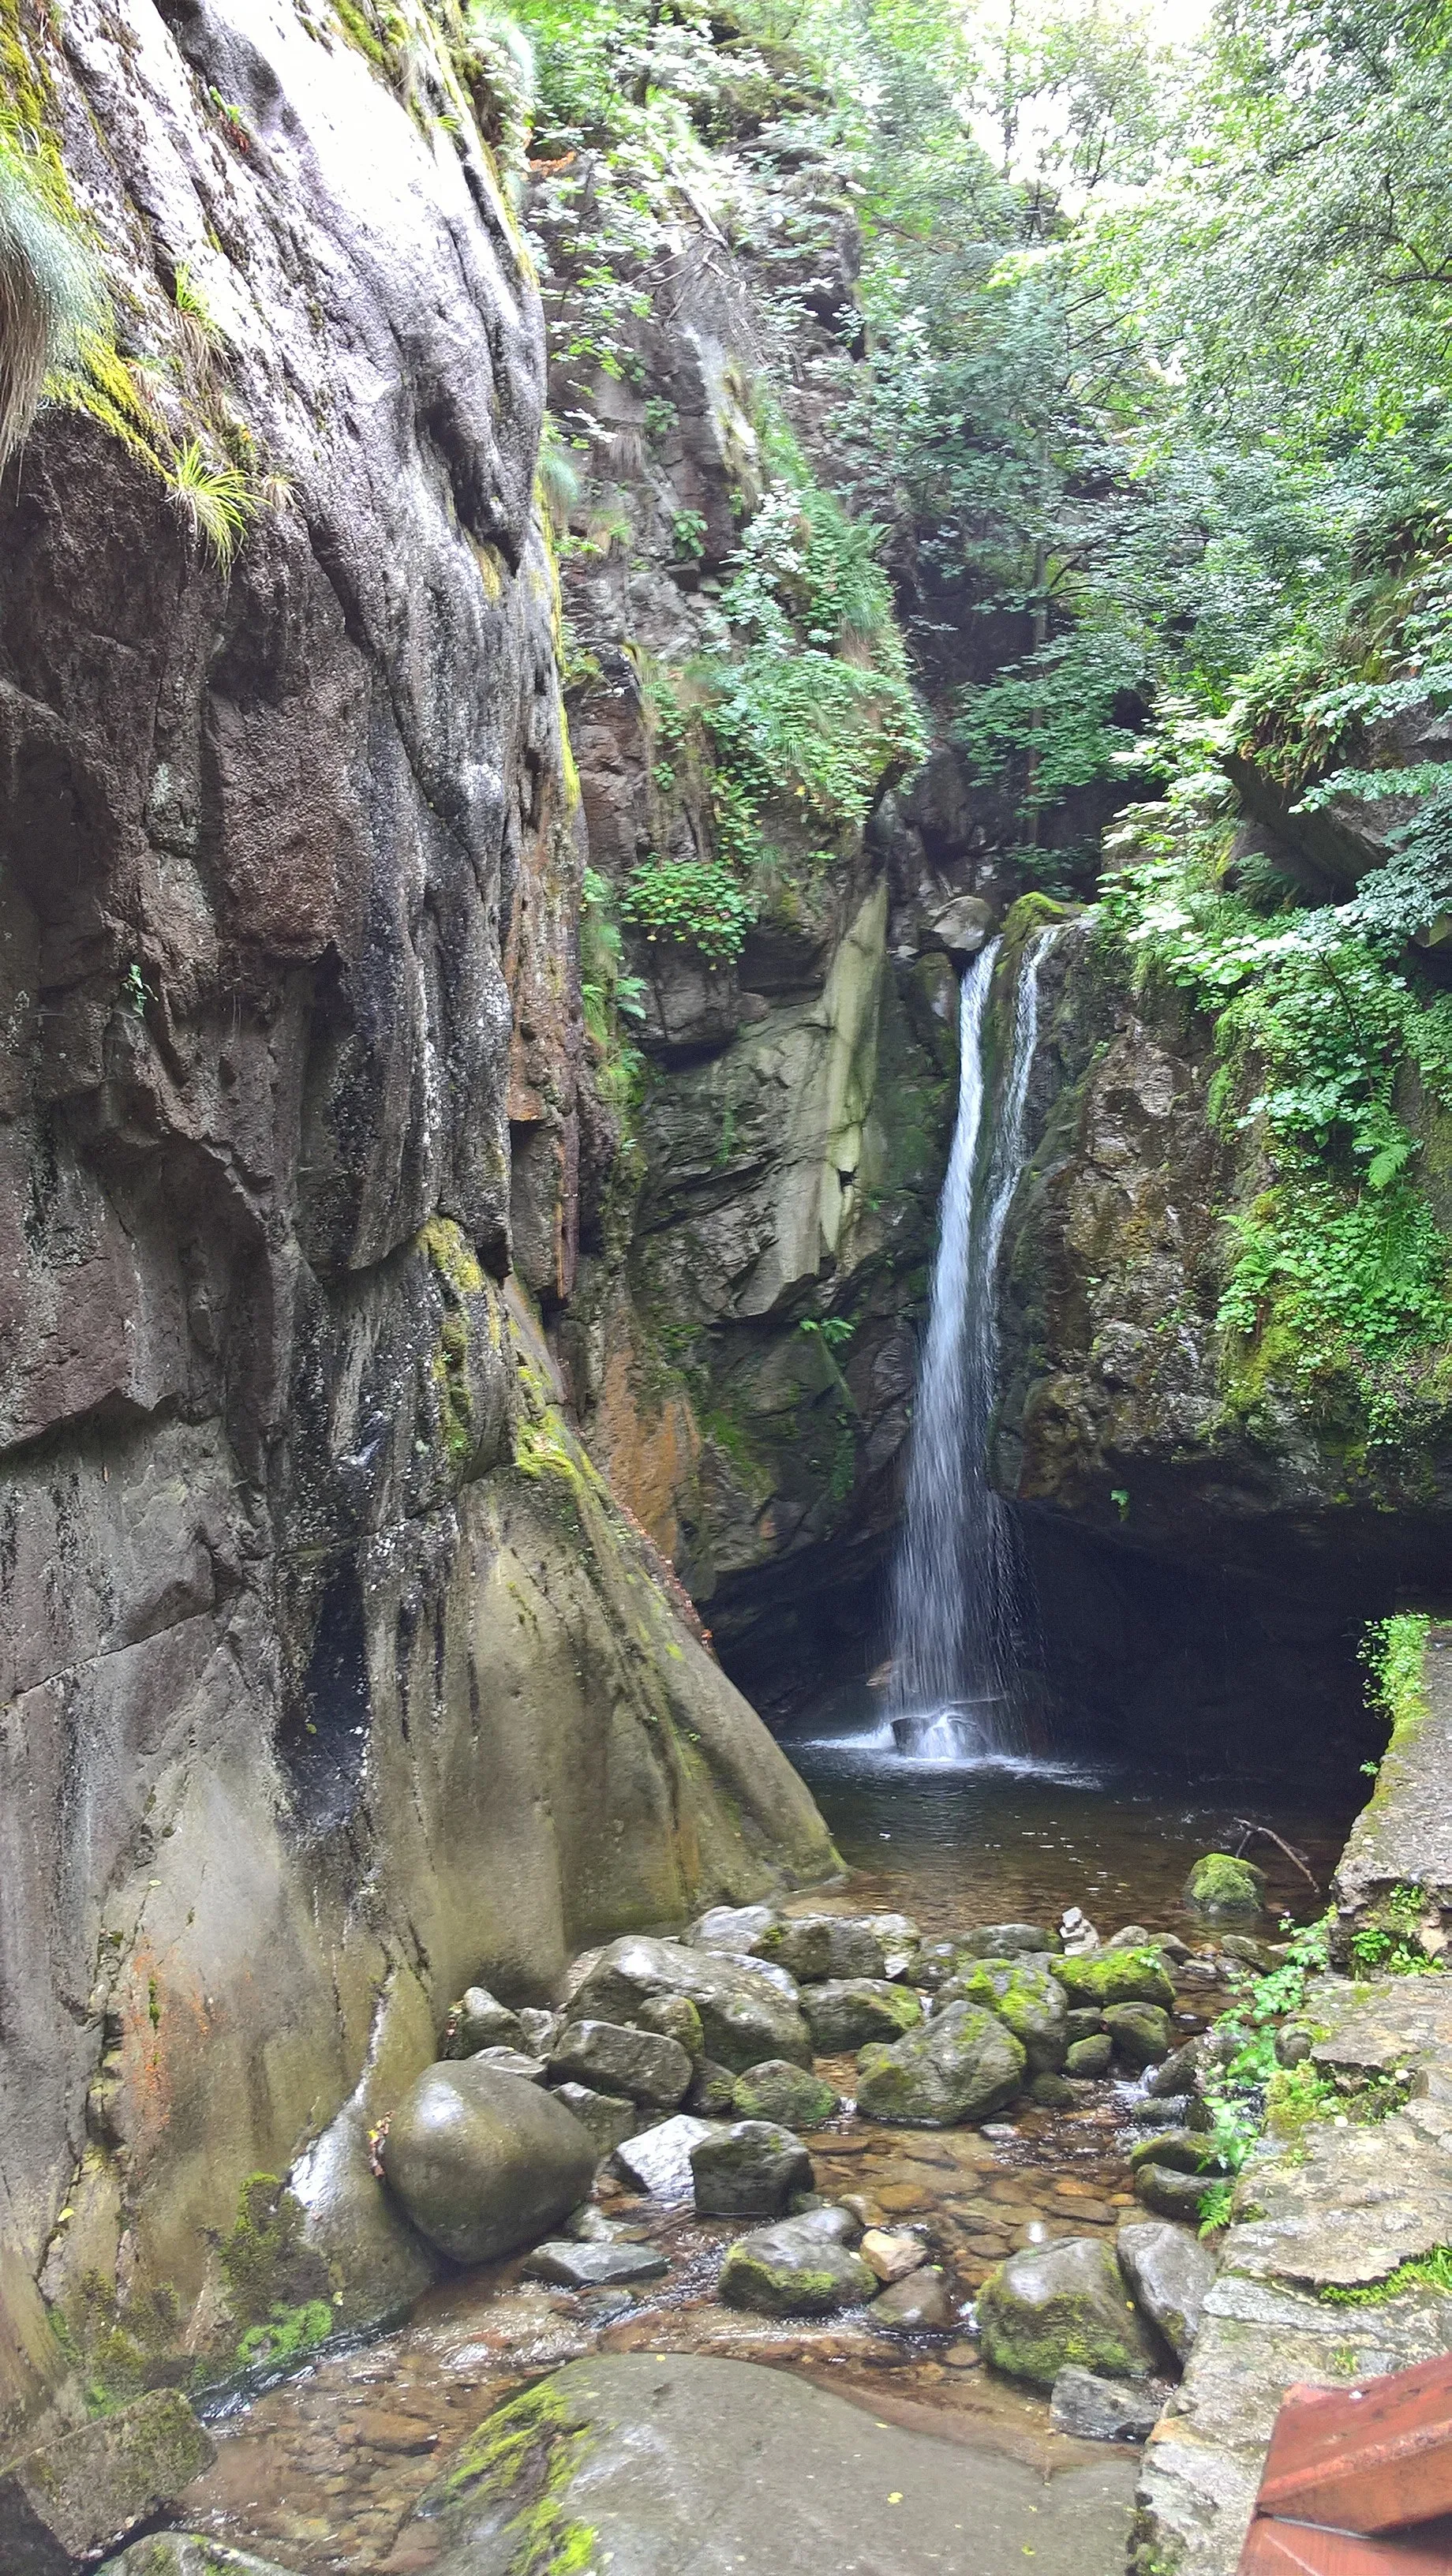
(794, 2271)
(846, 2012)
(961, 2065)
(612, 2058)
(1090, 2057)
(750, 2170)
(1140, 2032)
(1060, 2303)
(1028, 2001)
(1226, 1889)
(483, 2162)
(779, 2091)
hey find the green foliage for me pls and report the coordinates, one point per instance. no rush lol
(1388, 1943)
(287, 2333)
(696, 902)
(1216, 2203)
(216, 501)
(1393, 1652)
(1431, 2271)
(49, 294)
(688, 536)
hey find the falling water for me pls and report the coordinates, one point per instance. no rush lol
(958, 1585)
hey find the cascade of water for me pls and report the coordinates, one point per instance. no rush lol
(958, 1583)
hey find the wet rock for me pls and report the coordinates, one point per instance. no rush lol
(898, 1937)
(1133, 1936)
(1175, 2073)
(1294, 2043)
(1059, 2303)
(745, 2015)
(1153, 2111)
(792, 2271)
(920, 2303)
(892, 2256)
(776, 2090)
(732, 1928)
(1077, 1933)
(1102, 2410)
(674, 2017)
(1181, 2150)
(834, 2220)
(1006, 1940)
(1027, 2000)
(846, 1944)
(594, 2267)
(541, 2029)
(1169, 2272)
(713, 2092)
(1173, 1947)
(658, 2160)
(608, 2119)
(613, 2058)
(1245, 1952)
(1084, 2021)
(1052, 2092)
(484, 2162)
(1170, 2193)
(187, 2553)
(73, 2498)
(848, 2012)
(479, 2020)
(1090, 2057)
(961, 2065)
(511, 2061)
(1141, 2032)
(1116, 1977)
(962, 927)
(750, 2170)
(939, 1960)
(1225, 1889)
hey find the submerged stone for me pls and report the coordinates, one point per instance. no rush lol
(961, 2065)
(1059, 2303)
(483, 2162)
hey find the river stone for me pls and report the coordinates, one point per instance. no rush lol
(1006, 1941)
(511, 2061)
(674, 2017)
(892, 2256)
(897, 1936)
(920, 2303)
(961, 2065)
(1171, 2194)
(938, 1961)
(541, 2029)
(836, 2220)
(615, 2059)
(1116, 1977)
(1131, 1936)
(1175, 2073)
(484, 2162)
(1052, 2092)
(1140, 2032)
(713, 2092)
(852, 1949)
(1181, 2150)
(792, 2271)
(1152, 2112)
(1059, 2303)
(479, 2020)
(1085, 2021)
(776, 2090)
(680, 2461)
(1027, 2000)
(846, 2012)
(72, 2498)
(1225, 1889)
(608, 2120)
(1102, 2410)
(1169, 2272)
(1090, 2056)
(745, 2014)
(750, 2170)
(732, 1927)
(658, 2160)
(594, 2267)
(187, 2553)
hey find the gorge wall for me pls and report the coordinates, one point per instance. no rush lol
(331, 1674)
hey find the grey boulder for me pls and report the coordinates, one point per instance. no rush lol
(778, 2091)
(1140, 2032)
(793, 2270)
(658, 2160)
(72, 2498)
(612, 2058)
(594, 2266)
(961, 2065)
(1168, 2271)
(751, 2170)
(511, 2061)
(608, 2119)
(1006, 1940)
(847, 2012)
(480, 2020)
(484, 2162)
(1063, 2302)
(922, 2303)
(1102, 2410)
(745, 2014)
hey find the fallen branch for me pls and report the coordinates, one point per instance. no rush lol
(1298, 1859)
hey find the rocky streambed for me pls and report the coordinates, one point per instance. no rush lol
(906, 2191)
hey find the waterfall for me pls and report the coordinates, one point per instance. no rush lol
(959, 1587)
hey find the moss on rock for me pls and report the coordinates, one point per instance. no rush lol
(1224, 1887)
(1058, 2304)
(1116, 1977)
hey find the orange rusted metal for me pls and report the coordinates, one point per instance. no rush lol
(1299, 2549)
(1374, 2458)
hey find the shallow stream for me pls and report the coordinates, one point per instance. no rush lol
(321, 2471)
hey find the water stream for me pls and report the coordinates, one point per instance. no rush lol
(960, 1605)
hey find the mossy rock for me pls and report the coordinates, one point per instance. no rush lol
(1179, 2150)
(1116, 1977)
(1063, 2303)
(1141, 2033)
(790, 2271)
(961, 2065)
(1090, 2056)
(847, 2012)
(1227, 1889)
(1027, 2000)
(786, 2093)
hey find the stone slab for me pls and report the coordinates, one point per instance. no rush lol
(71, 2499)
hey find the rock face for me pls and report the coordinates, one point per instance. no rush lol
(76, 2497)
(347, 1669)
(484, 2161)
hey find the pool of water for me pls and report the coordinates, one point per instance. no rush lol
(320, 2473)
